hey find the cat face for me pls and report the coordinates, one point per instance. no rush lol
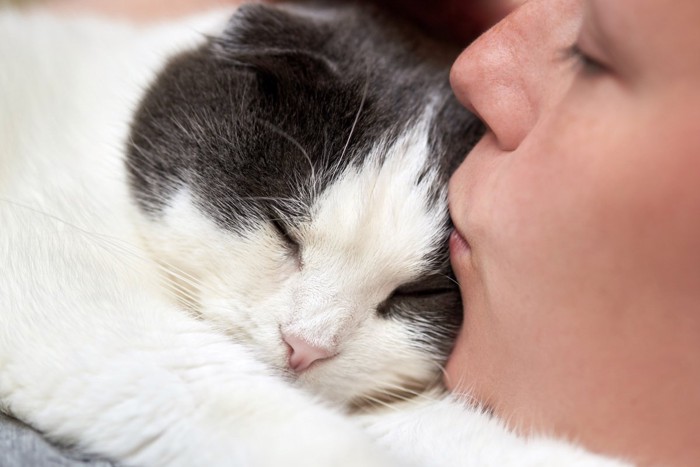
(292, 178)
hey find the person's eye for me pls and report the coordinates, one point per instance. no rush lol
(588, 65)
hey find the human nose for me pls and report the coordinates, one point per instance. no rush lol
(514, 71)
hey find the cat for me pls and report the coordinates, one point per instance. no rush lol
(278, 221)
(295, 176)
(221, 236)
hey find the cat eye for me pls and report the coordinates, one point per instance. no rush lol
(433, 287)
(291, 243)
(420, 292)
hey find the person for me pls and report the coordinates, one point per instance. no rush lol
(577, 219)
(577, 225)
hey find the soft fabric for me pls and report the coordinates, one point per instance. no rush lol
(21, 446)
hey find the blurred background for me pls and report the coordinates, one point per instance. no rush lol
(17, 2)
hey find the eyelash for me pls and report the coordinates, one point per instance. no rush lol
(589, 65)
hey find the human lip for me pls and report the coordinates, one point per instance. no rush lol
(458, 244)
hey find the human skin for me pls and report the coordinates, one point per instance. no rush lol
(578, 226)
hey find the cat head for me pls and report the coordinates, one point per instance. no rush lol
(292, 174)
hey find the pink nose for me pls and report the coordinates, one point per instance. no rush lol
(303, 353)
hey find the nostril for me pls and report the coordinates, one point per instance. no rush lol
(303, 354)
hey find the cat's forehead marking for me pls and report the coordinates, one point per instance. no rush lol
(246, 116)
(381, 214)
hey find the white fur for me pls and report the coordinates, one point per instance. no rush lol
(354, 254)
(440, 431)
(177, 362)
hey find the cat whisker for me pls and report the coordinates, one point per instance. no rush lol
(267, 198)
(441, 368)
(404, 396)
(451, 279)
(403, 389)
(376, 401)
(292, 140)
(288, 218)
(137, 253)
(357, 115)
(179, 293)
(115, 245)
(184, 287)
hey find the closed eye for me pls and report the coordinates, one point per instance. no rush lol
(419, 293)
(434, 287)
(290, 242)
(435, 284)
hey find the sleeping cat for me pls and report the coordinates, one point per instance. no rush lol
(278, 221)
(220, 236)
(294, 175)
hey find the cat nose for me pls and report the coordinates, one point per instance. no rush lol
(303, 353)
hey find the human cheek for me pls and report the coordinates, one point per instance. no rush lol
(632, 189)
(511, 77)
(489, 209)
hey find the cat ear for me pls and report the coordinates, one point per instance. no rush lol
(280, 41)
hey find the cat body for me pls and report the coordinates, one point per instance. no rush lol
(166, 300)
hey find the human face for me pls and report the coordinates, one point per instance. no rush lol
(578, 225)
